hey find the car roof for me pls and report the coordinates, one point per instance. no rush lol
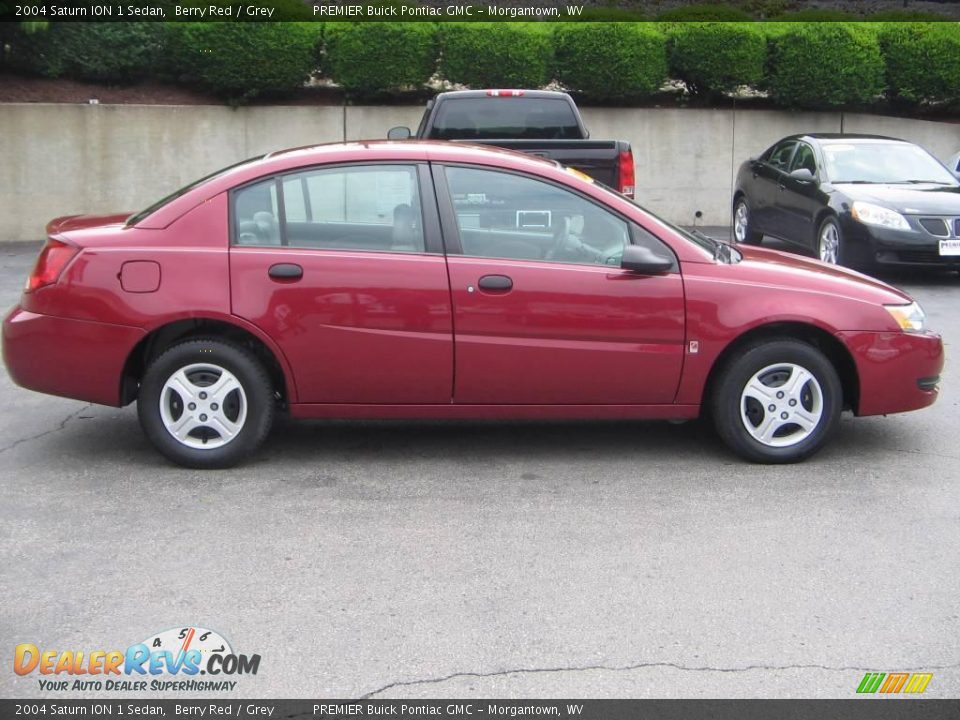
(484, 93)
(847, 137)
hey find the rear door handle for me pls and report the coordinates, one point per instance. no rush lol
(285, 271)
(495, 282)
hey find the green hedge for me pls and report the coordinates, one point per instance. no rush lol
(800, 64)
(705, 13)
(607, 61)
(819, 65)
(240, 61)
(372, 57)
(923, 61)
(713, 58)
(113, 53)
(491, 54)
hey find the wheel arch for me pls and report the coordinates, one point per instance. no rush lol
(834, 350)
(166, 335)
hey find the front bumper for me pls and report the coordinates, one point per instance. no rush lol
(898, 371)
(907, 248)
(77, 359)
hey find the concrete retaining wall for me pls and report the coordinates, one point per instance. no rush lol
(64, 159)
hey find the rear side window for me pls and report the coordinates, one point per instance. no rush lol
(374, 207)
(780, 154)
(505, 118)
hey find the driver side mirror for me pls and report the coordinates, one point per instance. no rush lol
(399, 133)
(802, 174)
(644, 260)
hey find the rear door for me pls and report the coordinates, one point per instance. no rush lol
(343, 267)
(543, 313)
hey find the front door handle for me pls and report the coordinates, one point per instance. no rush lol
(495, 282)
(285, 271)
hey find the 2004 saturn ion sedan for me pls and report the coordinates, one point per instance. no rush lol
(436, 280)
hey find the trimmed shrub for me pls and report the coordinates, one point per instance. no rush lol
(713, 58)
(824, 65)
(705, 13)
(611, 14)
(371, 57)
(816, 15)
(240, 61)
(923, 61)
(496, 54)
(607, 61)
(100, 52)
(906, 16)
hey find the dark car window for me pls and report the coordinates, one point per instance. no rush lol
(502, 215)
(505, 117)
(804, 159)
(373, 207)
(780, 154)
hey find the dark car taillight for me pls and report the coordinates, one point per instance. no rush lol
(53, 259)
(627, 178)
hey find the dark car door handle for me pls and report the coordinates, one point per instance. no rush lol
(285, 271)
(495, 282)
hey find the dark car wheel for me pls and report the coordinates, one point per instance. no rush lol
(206, 403)
(779, 401)
(742, 228)
(830, 246)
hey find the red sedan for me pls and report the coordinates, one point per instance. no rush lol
(414, 279)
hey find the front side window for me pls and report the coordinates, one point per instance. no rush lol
(370, 207)
(804, 159)
(780, 155)
(501, 215)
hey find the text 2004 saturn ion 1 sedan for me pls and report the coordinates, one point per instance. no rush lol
(413, 280)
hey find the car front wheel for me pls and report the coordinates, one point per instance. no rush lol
(779, 401)
(830, 247)
(206, 403)
(743, 231)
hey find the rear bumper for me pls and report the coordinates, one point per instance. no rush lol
(77, 359)
(898, 371)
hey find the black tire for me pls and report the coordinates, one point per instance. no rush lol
(842, 254)
(250, 407)
(750, 236)
(732, 410)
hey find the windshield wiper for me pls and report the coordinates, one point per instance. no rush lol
(724, 252)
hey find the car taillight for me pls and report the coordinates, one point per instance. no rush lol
(627, 179)
(53, 259)
(504, 93)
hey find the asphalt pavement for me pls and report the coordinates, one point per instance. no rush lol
(442, 559)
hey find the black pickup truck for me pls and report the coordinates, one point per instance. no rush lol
(538, 122)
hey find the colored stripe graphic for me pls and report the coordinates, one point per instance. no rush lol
(918, 682)
(870, 682)
(894, 683)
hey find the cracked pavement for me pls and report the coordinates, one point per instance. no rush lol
(493, 560)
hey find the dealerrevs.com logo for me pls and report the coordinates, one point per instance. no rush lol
(171, 660)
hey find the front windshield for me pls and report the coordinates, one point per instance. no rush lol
(882, 162)
(134, 219)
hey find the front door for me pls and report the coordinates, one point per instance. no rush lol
(343, 268)
(543, 313)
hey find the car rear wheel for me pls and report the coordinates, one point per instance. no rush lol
(206, 403)
(742, 229)
(779, 401)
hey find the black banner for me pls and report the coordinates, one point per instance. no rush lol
(854, 709)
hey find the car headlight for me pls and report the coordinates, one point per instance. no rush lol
(910, 317)
(871, 214)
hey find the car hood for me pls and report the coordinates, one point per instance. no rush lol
(789, 270)
(80, 222)
(926, 199)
